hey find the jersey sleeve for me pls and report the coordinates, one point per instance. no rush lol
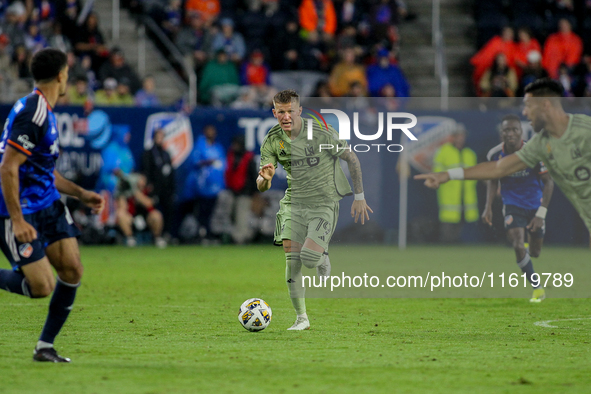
(268, 156)
(531, 153)
(332, 138)
(28, 128)
(492, 154)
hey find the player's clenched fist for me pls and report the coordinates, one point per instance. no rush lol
(93, 200)
(434, 179)
(487, 216)
(267, 172)
(23, 231)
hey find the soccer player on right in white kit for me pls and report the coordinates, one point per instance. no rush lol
(562, 142)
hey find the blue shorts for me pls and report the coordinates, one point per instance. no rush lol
(52, 224)
(516, 217)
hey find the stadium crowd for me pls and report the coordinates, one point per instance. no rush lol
(524, 40)
(234, 45)
(98, 74)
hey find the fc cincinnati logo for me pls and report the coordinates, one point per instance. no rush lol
(25, 250)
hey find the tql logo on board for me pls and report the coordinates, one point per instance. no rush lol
(392, 122)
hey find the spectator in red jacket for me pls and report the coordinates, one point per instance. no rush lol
(240, 176)
(318, 15)
(255, 75)
(255, 71)
(525, 45)
(485, 57)
(564, 47)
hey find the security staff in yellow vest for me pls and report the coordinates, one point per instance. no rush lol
(455, 197)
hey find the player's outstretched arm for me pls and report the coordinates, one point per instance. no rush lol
(89, 198)
(11, 162)
(359, 207)
(538, 221)
(491, 192)
(480, 172)
(266, 174)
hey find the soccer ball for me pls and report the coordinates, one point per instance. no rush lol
(255, 314)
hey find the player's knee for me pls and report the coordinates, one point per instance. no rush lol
(520, 251)
(42, 289)
(310, 258)
(72, 273)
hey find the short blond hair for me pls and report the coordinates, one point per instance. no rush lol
(286, 97)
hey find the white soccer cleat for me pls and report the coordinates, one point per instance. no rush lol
(300, 324)
(323, 270)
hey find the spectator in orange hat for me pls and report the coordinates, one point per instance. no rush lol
(564, 47)
(318, 15)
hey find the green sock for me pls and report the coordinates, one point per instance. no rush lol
(293, 276)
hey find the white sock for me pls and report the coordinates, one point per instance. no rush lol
(43, 345)
(303, 316)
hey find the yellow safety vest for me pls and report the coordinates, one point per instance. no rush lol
(451, 194)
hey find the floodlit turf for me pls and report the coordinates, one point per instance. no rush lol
(165, 321)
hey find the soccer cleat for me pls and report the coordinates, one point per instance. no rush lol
(49, 354)
(538, 296)
(300, 324)
(323, 270)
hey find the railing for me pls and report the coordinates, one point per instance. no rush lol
(404, 167)
(156, 31)
(176, 55)
(440, 58)
(116, 18)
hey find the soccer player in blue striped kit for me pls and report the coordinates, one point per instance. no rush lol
(526, 195)
(38, 231)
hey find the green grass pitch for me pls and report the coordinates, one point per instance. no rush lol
(165, 321)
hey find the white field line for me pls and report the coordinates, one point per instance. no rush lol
(545, 323)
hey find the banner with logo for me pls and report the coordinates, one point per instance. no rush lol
(83, 136)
